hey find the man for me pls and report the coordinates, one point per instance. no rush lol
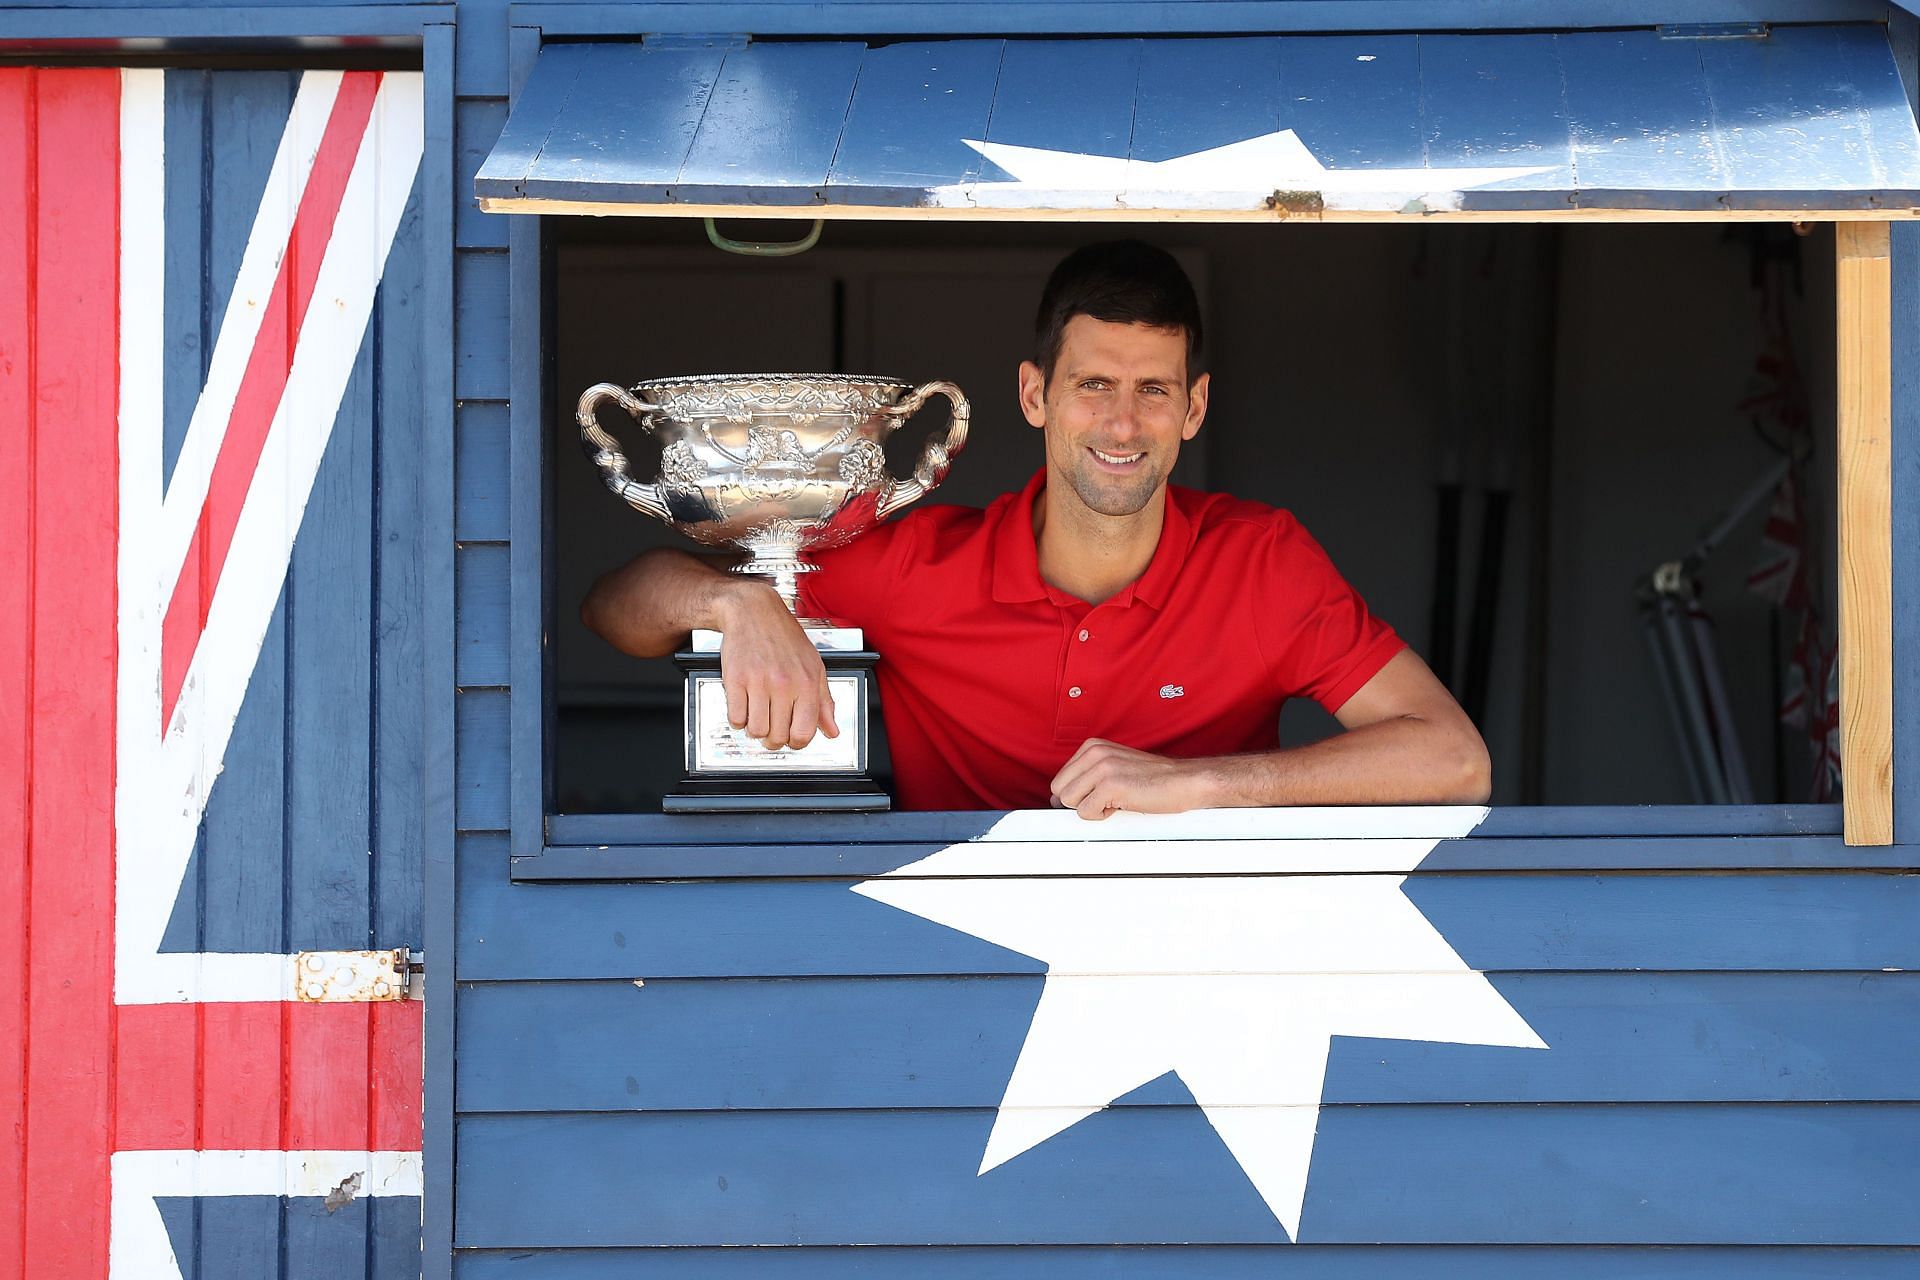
(1098, 640)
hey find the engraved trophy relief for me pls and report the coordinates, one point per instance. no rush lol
(775, 465)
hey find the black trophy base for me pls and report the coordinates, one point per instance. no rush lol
(768, 794)
(778, 790)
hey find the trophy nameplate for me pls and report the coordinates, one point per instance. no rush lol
(776, 465)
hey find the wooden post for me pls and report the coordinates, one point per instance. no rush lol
(1863, 291)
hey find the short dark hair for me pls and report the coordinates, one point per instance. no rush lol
(1122, 282)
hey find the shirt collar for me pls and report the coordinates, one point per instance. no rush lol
(1016, 558)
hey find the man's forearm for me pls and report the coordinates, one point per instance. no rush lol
(1404, 760)
(648, 606)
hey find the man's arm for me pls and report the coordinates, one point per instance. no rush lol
(776, 684)
(1406, 742)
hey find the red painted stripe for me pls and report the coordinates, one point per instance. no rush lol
(395, 1071)
(264, 381)
(74, 464)
(17, 87)
(332, 1099)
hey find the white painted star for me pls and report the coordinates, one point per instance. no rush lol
(1240, 175)
(1232, 976)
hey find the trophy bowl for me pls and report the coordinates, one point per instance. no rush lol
(776, 465)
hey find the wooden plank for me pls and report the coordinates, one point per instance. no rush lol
(69, 847)
(1822, 922)
(329, 611)
(1626, 853)
(537, 107)
(1904, 527)
(481, 734)
(632, 116)
(232, 898)
(483, 618)
(479, 64)
(18, 94)
(515, 778)
(1617, 1174)
(913, 105)
(772, 123)
(1818, 206)
(1642, 117)
(432, 1227)
(1808, 108)
(480, 303)
(1863, 301)
(1154, 17)
(477, 125)
(602, 830)
(856, 1043)
(482, 484)
(1065, 96)
(190, 319)
(401, 333)
(1498, 102)
(1352, 113)
(1220, 1262)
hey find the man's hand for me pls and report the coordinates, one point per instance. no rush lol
(1104, 776)
(776, 684)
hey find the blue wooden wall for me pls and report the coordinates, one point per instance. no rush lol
(806, 1070)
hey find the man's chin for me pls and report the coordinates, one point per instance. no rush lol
(1105, 496)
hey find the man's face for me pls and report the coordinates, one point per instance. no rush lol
(1115, 411)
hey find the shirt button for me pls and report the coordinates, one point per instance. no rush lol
(1074, 692)
(1083, 633)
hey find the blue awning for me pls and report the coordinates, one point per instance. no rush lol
(1807, 120)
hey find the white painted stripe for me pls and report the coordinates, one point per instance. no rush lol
(1425, 822)
(164, 782)
(186, 491)
(139, 1248)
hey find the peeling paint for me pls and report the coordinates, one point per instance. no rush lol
(342, 1195)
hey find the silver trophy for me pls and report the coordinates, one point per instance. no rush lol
(775, 465)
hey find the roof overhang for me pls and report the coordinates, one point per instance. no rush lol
(1796, 122)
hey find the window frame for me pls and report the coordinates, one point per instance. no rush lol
(1878, 393)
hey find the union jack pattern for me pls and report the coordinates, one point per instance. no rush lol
(185, 1075)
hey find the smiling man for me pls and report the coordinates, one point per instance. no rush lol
(1100, 640)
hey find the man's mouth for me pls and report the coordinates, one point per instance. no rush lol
(1116, 459)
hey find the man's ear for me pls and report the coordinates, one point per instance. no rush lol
(1033, 393)
(1196, 407)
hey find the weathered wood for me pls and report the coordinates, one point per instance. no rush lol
(477, 125)
(482, 488)
(1322, 127)
(480, 301)
(481, 734)
(1619, 1174)
(1218, 1262)
(1819, 922)
(857, 1043)
(481, 572)
(1863, 298)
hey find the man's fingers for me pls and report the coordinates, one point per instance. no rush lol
(1093, 807)
(759, 713)
(806, 719)
(736, 689)
(828, 724)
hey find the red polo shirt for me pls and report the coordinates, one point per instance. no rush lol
(991, 679)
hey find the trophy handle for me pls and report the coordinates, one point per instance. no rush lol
(605, 450)
(936, 455)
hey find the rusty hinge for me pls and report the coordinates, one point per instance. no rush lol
(346, 977)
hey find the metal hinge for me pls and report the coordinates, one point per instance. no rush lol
(1712, 31)
(696, 40)
(349, 977)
